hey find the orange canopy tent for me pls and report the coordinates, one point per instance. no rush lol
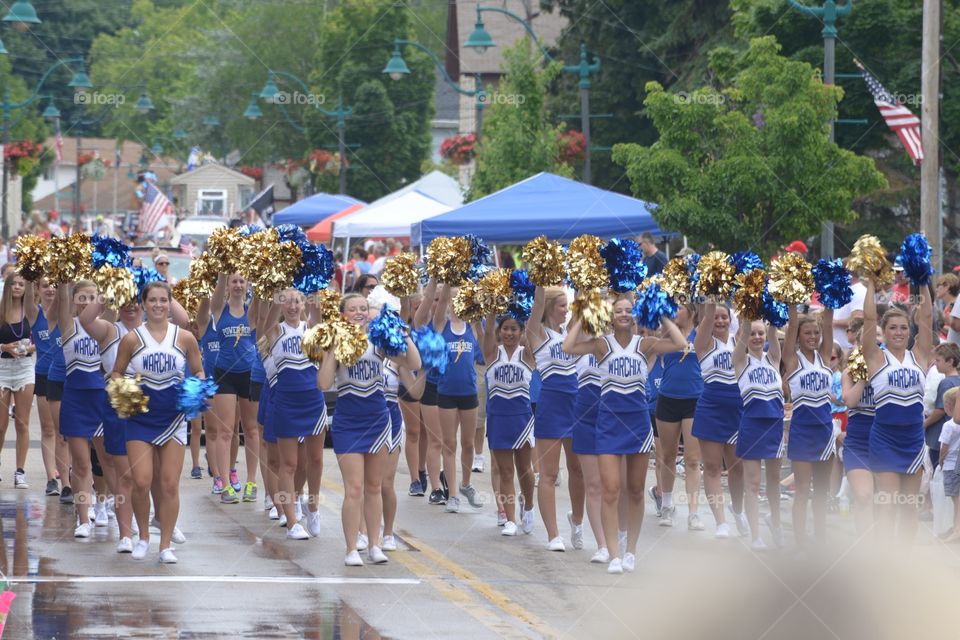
(322, 231)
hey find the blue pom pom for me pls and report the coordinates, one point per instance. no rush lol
(432, 348)
(388, 332)
(143, 276)
(745, 261)
(832, 281)
(193, 396)
(624, 263)
(774, 311)
(652, 304)
(291, 233)
(915, 258)
(316, 271)
(422, 271)
(478, 249)
(522, 303)
(693, 267)
(107, 250)
(248, 229)
(477, 271)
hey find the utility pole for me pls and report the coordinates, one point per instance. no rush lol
(931, 219)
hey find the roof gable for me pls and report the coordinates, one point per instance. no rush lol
(208, 170)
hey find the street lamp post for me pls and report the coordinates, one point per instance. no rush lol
(481, 40)
(828, 15)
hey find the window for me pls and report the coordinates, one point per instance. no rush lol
(212, 202)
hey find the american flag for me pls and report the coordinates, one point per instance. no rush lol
(155, 206)
(898, 117)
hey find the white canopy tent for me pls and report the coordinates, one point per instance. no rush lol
(392, 218)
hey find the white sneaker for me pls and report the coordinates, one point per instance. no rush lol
(723, 531)
(297, 532)
(740, 519)
(526, 521)
(629, 562)
(666, 516)
(20, 480)
(478, 462)
(556, 544)
(389, 543)
(177, 536)
(615, 566)
(83, 531)
(576, 532)
(509, 529)
(313, 523)
(140, 550)
(759, 545)
(125, 545)
(536, 480)
(283, 520)
(622, 542)
(453, 505)
(602, 556)
(167, 557)
(100, 517)
(268, 503)
(273, 514)
(694, 523)
(501, 518)
(362, 542)
(776, 531)
(298, 511)
(377, 556)
(353, 559)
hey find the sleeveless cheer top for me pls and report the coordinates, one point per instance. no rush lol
(293, 370)
(810, 387)
(508, 383)
(761, 388)
(624, 376)
(81, 354)
(558, 369)
(236, 342)
(898, 390)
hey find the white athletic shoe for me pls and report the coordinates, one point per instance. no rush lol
(140, 550)
(694, 523)
(615, 566)
(268, 503)
(622, 542)
(740, 519)
(723, 531)
(526, 521)
(478, 462)
(602, 556)
(576, 532)
(297, 532)
(167, 557)
(509, 529)
(389, 543)
(83, 530)
(759, 545)
(313, 523)
(283, 520)
(100, 517)
(111, 508)
(501, 518)
(274, 514)
(125, 545)
(377, 556)
(362, 542)
(298, 511)
(353, 559)
(177, 536)
(556, 544)
(629, 562)
(666, 516)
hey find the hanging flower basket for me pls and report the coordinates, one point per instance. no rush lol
(573, 146)
(254, 172)
(459, 149)
(23, 156)
(324, 163)
(94, 169)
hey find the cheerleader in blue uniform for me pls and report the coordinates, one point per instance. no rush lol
(258, 379)
(415, 449)
(395, 379)
(210, 349)
(806, 356)
(623, 421)
(81, 409)
(760, 439)
(56, 375)
(717, 418)
(159, 352)
(861, 409)
(18, 313)
(361, 430)
(553, 422)
(265, 419)
(897, 375)
(52, 446)
(429, 409)
(509, 417)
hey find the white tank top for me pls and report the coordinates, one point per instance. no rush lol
(364, 378)
(391, 382)
(508, 377)
(588, 371)
(716, 365)
(760, 381)
(624, 368)
(286, 351)
(159, 364)
(898, 383)
(810, 383)
(550, 357)
(81, 352)
(108, 353)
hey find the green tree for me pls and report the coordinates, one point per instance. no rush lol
(746, 163)
(518, 139)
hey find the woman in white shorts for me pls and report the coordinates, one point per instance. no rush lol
(18, 312)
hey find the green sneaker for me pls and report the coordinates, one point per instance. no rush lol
(250, 492)
(229, 496)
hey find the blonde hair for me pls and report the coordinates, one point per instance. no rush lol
(6, 303)
(551, 296)
(891, 313)
(950, 400)
(348, 297)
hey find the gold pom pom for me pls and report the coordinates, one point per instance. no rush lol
(224, 249)
(329, 302)
(675, 280)
(585, 264)
(546, 261)
(185, 292)
(716, 275)
(126, 397)
(868, 259)
(32, 258)
(495, 291)
(857, 365)
(791, 279)
(204, 271)
(748, 297)
(349, 342)
(275, 269)
(71, 258)
(448, 259)
(400, 276)
(116, 285)
(467, 303)
(317, 340)
(253, 250)
(594, 312)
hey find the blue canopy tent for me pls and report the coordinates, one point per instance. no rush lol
(544, 204)
(312, 210)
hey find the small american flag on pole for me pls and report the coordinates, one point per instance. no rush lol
(155, 206)
(900, 119)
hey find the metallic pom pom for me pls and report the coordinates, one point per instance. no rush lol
(142, 276)
(432, 348)
(329, 302)
(349, 343)
(832, 282)
(479, 258)
(546, 261)
(32, 257)
(247, 229)
(276, 268)
(185, 292)
(252, 250)
(316, 269)
(594, 312)
(70, 258)
(745, 261)
(194, 395)
(400, 276)
(791, 279)
(467, 304)
(715, 276)
(748, 295)
(652, 305)
(625, 266)
(675, 280)
(915, 257)
(291, 233)
(448, 259)
(495, 291)
(774, 311)
(388, 332)
(869, 259)
(585, 265)
(204, 272)
(223, 247)
(107, 250)
(117, 286)
(857, 365)
(521, 302)
(317, 340)
(126, 397)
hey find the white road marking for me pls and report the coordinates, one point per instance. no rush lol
(229, 579)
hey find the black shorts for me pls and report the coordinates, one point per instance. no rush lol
(429, 397)
(675, 409)
(405, 396)
(40, 385)
(234, 383)
(54, 390)
(255, 389)
(653, 424)
(463, 403)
